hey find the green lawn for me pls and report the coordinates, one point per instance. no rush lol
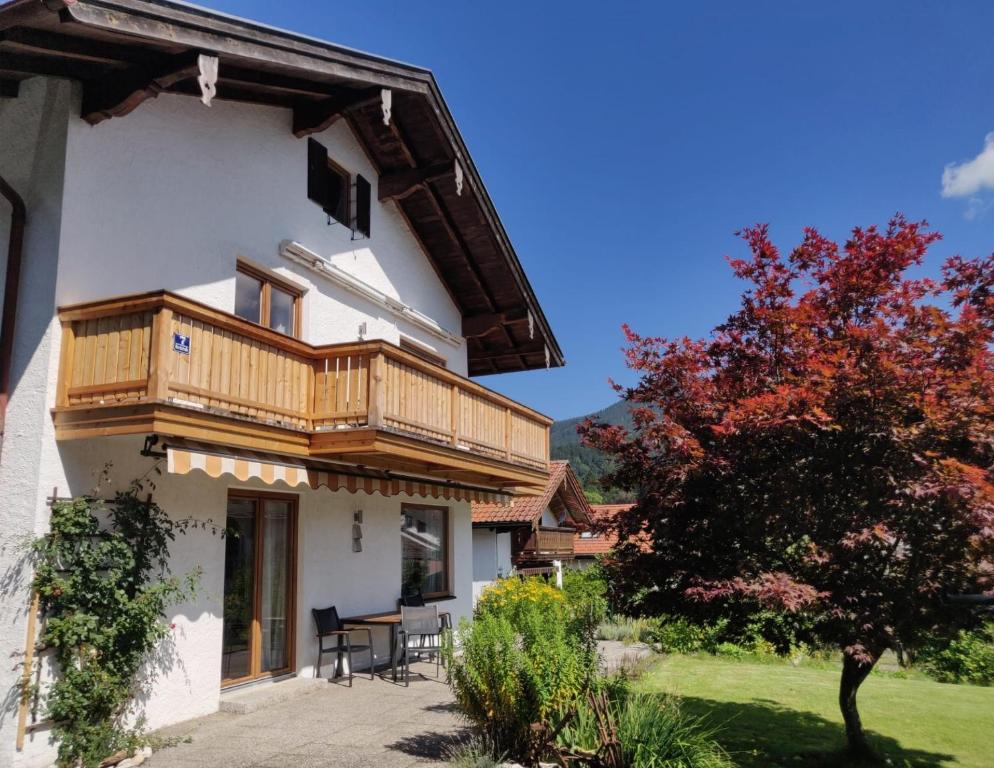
(779, 715)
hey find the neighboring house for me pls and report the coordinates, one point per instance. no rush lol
(595, 542)
(266, 265)
(527, 534)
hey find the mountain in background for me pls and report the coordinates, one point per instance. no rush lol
(589, 464)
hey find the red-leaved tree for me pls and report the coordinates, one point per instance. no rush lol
(826, 452)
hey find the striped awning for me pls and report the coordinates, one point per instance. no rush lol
(183, 458)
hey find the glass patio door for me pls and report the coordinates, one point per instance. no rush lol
(258, 587)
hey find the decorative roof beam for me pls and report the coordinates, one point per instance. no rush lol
(118, 94)
(396, 185)
(474, 326)
(314, 118)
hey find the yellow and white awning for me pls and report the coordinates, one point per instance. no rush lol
(184, 457)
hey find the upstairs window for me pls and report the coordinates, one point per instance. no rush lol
(263, 298)
(330, 186)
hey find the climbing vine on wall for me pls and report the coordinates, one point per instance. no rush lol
(102, 578)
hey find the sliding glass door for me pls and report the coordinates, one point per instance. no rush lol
(259, 572)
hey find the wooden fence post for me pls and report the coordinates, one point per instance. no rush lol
(158, 359)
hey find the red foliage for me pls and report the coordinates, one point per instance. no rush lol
(826, 450)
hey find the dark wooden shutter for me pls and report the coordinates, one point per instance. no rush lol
(317, 173)
(363, 193)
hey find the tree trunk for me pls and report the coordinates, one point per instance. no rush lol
(853, 674)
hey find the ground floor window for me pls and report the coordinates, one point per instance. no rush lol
(425, 550)
(259, 573)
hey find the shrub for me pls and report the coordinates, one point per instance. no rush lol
(104, 592)
(731, 650)
(478, 752)
(628, 630)
(586, 594)
(653, 733)
(968, 658)
(680, 635)
(523, 657)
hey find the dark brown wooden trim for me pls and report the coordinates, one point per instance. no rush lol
(118, 94)
(314, 118)
(396, 185)
(9, 88)
(481, 325)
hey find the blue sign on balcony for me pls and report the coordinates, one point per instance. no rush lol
(181, 343)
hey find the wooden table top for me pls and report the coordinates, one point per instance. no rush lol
(387, 617)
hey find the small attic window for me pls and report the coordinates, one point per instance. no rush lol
(330, 186)
(339, 186)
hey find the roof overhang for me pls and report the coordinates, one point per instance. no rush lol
(128, 51)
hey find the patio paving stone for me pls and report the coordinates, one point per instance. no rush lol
(375, 724)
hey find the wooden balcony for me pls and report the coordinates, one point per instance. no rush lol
(544, 544)
(165, 364)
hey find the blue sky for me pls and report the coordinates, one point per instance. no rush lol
(623, 146)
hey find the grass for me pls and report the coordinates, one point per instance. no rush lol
(780, 715)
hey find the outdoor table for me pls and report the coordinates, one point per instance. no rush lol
(387, 619)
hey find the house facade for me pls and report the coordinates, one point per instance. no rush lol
(529, 534)
(265, 267)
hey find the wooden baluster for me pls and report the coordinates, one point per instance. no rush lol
(158, 373)
(508, 426)
(67, 352)
(454, 415)
(376, 401)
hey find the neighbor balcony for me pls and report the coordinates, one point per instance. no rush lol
(160, 363)
(545, 544)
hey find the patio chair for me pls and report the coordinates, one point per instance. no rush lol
(421, 624)
(330, 625)
(417, 600)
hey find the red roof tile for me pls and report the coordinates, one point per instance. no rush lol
(526, 509)
(592, 543)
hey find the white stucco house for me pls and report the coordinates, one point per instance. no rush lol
(267, 265)
(531, 534)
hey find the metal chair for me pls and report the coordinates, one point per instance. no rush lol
(330, 625)
(417, 600)
(420, 623)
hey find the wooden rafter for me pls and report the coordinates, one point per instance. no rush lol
(314, 118)
(119, 93)
(474, 326)
(50, 66)
(445, 218)
(82, 48)
(396, 185)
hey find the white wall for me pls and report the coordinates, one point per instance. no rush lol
(549, 519)
(32, 156)
(169, 197)
(172, 194)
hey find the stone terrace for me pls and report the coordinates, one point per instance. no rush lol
(375, 723)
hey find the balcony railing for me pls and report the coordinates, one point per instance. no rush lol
(547, 544)
(162, 348)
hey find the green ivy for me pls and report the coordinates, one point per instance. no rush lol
(103, 584)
